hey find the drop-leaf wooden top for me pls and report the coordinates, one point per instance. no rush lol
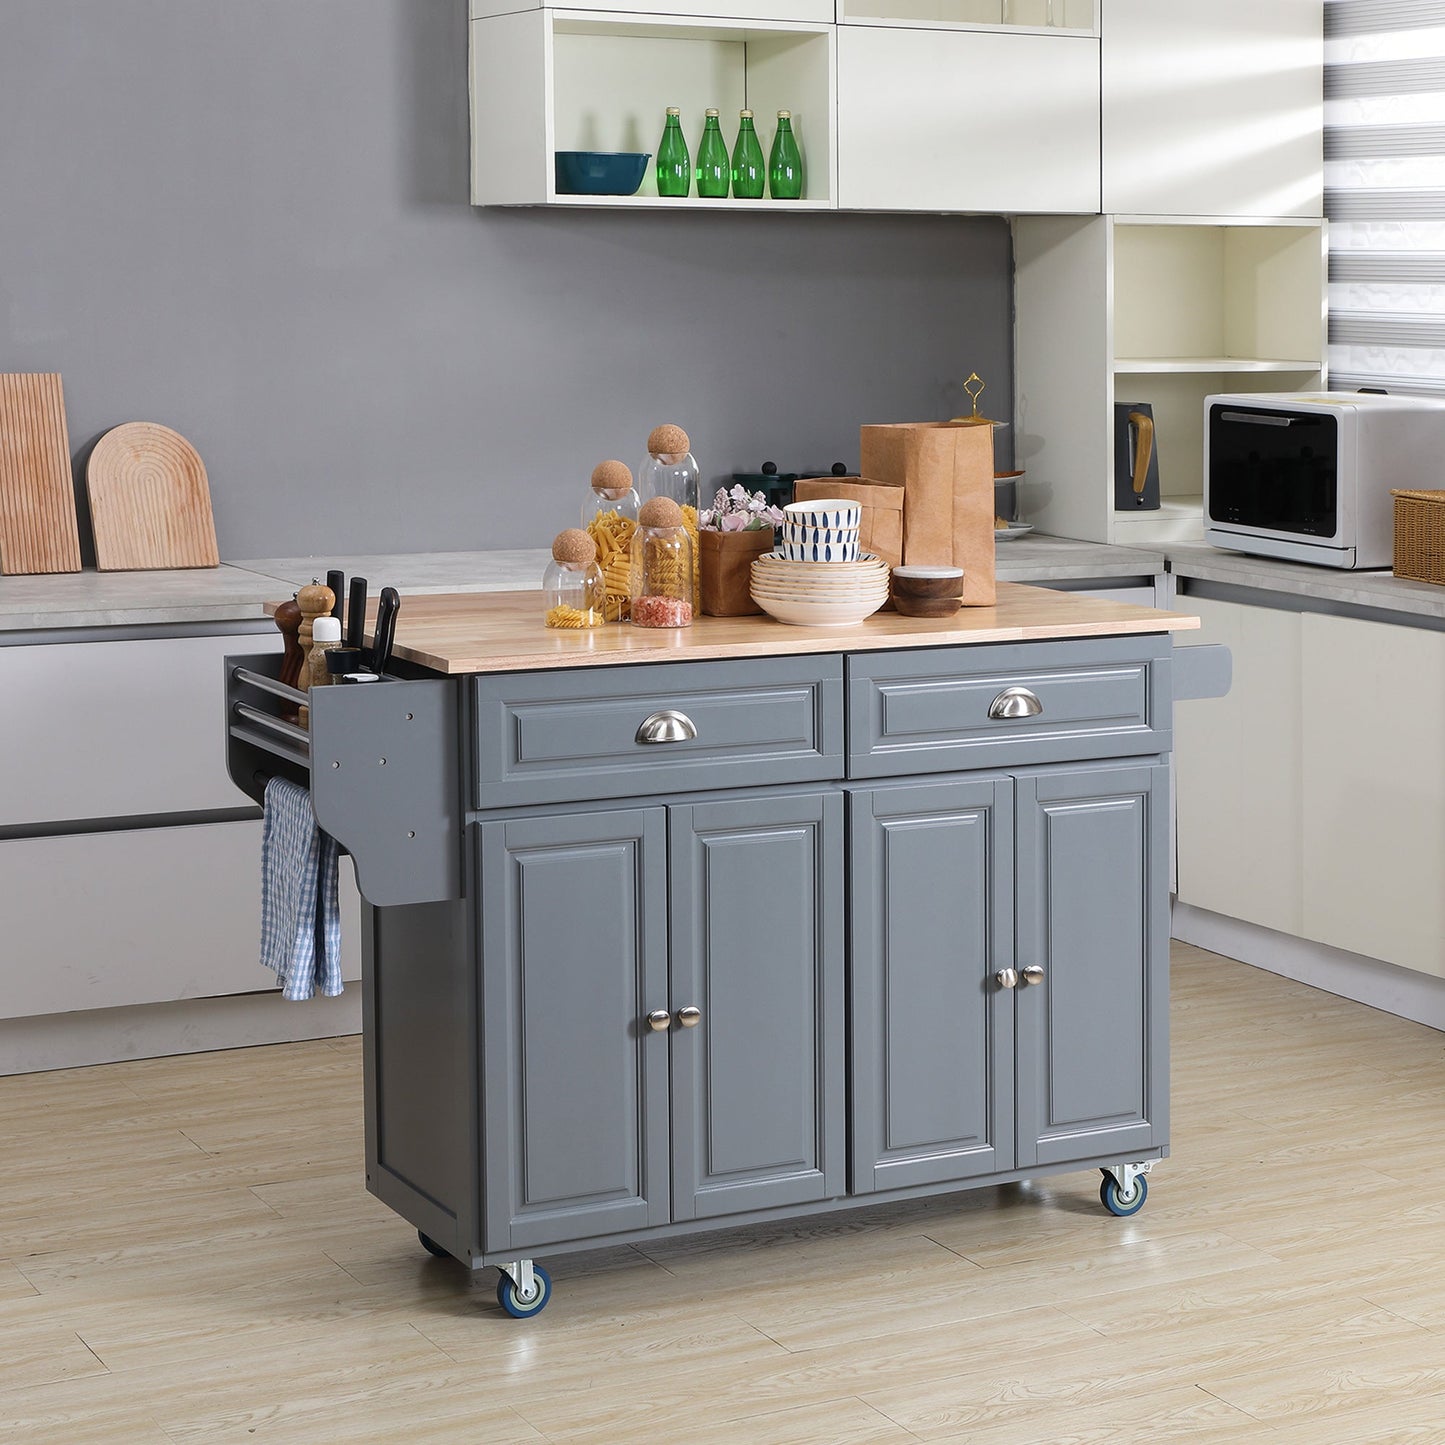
(504, 632)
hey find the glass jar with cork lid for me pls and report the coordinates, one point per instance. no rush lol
(572, 584)
(671, 470)
(661, 571)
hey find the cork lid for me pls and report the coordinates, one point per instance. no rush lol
(612, 479)
(668, 441)
(659, 512)
(574, 545)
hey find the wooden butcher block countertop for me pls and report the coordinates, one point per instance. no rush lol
(504, 632)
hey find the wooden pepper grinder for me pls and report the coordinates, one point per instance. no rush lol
(288, 621)
(314, 601)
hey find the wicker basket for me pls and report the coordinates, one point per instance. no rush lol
(1420, 536)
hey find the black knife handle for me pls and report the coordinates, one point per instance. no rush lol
(356, 613)
(386, 609)
(336, 581)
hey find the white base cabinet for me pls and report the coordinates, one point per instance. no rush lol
(1311, 799)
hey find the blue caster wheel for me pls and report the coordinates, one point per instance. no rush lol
(1116, 1201)
(432, 1247)
(520, 1306)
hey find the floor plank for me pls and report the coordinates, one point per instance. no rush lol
(179, 1261)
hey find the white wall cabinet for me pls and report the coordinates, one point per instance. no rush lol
(1311, 799)
(1212, 109)
(967, 120)
(1112, 309)
(548, 80)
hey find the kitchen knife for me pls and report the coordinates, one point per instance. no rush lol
(336, 581)
(356, 613)
(385, 636)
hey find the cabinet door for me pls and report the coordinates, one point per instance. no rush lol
(757, 947)
(1093, 912)
(932, 922)
(574, 1109)
(1374, 790)
(1213, 110)
(945, 120)
(1237, 769)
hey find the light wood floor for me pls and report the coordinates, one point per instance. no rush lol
(187, 1254)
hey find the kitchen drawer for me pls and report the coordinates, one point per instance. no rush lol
(139, 916)
(115, 729)
(553, 737)
(927, 710)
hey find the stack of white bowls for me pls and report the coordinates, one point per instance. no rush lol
(817, 576)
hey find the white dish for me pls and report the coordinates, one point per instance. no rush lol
(794, 594)
(864, 559)
(1014, 529)
(818, 614)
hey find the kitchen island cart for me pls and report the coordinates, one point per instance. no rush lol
(668, 932)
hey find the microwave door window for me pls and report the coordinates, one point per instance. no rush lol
(1274, 471)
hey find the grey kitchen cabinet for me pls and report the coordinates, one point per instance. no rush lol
(662, 1003)
(1007, 972)
(877, 922)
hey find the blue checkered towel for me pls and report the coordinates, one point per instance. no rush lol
(300, 917)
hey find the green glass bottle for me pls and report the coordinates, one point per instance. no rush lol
(749, 173)
(714, 171)
(674, 165)
(785, 165)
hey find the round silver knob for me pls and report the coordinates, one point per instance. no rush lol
(1015, 702)
(689, 1017)
(1032, 974)
(658, 1020)
(1006, 978)
(668, 726)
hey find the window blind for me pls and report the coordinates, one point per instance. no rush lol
(1385, 193)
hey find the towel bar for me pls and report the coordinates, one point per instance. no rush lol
(262, 683)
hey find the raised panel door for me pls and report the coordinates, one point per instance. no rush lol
(573, 919)
(757, 949)
(1092, 914)
(931, 914)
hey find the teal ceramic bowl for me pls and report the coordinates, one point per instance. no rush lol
(600, 173)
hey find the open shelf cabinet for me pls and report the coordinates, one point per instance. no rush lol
(548, 80)
(1128, 309)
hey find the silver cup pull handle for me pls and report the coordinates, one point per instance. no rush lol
(668, 726)
(1015, 702)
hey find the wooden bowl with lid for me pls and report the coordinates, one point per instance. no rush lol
(926, 591)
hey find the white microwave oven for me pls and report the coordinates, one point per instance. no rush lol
(1307, 477)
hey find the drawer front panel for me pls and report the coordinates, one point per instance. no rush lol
(116, 729)
(929, 710)
(550, 737)
(144, 916)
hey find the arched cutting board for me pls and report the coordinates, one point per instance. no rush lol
(150, 501)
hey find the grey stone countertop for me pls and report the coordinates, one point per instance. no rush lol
(237, 590)
(1378, 590)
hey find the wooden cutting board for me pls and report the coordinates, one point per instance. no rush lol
(150, 502)
(38, 531)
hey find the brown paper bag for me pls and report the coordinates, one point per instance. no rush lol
(881, 524)
(945, 470)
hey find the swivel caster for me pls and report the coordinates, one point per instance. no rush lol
(522, 1301)
(432, 1247)
(1123, 1201)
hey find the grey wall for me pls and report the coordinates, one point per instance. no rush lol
(248, 220)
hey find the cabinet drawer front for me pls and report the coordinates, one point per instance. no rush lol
(144, 916)
(558, 736)
(115, 729)
(929, 711)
